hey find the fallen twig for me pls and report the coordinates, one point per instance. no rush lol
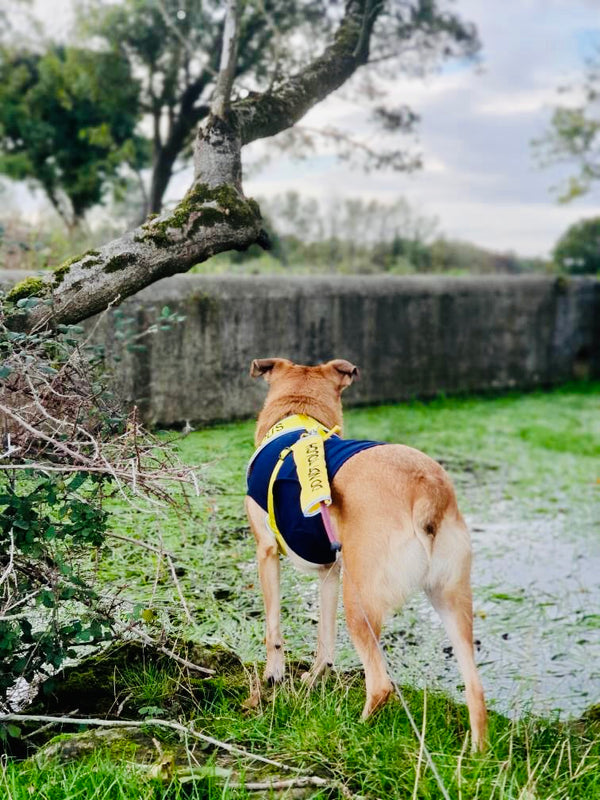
(158, 550)
(261, 786)
(46, 727)
(161, 723)
(163, 553)
(184, 605)
(11, 560)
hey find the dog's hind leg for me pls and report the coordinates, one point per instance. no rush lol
(449, 589)
(364, 623)
(268, 570)
(329, 583)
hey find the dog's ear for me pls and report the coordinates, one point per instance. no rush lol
(344, 371)
(265, 366)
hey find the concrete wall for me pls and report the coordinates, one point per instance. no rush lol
(413, 336)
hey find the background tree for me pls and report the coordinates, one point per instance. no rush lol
(574, 134)
(350, 235)
(67, 124)
(578, 249)
(215, 216)
(173, 47)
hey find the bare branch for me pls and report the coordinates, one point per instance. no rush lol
(11, 560)
(348, 147)
(161, 723)
(222, 94)
(183, 661)
(269, 113)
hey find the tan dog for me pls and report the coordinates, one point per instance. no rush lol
(395, 513)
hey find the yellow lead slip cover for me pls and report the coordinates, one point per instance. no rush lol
(309, 457)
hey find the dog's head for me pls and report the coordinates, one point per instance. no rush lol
(298, 389)
(339, 372)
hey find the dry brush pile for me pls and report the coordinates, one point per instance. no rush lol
(66, 446)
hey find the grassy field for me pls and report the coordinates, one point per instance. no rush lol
(526, 469)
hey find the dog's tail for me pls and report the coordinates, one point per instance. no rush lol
(433, 502)
(424, 530)
(429, 509)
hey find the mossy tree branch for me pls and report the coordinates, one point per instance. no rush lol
(214, 216)
(209, 220)
(269, 113)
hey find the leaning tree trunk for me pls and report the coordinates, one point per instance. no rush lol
(161, 175)
(214, 216)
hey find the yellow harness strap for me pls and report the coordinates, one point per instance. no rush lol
(271, 502)
(293, 423)
(309, 457)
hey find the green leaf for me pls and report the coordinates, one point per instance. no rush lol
(77, 480)
(47, 598)
(28, 302)
(13, 730)
(151, 711)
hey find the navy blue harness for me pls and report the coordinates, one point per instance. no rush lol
(306, 536)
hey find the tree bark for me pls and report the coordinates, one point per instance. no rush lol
(214, 216)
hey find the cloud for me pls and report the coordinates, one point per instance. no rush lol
(524, 102)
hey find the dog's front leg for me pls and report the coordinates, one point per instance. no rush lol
(329, 584)
(268, 570)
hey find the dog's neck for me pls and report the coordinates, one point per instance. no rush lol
(276, 409)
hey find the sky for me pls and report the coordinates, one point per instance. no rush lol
(480, 177)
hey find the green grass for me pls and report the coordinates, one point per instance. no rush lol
(526, 469)
(100, 778)
(320, 733)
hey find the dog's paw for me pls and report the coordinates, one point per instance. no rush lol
(275, 665)
(317, 671)
(274, 673)
(308, 679)
(376, 700)
(272, 678)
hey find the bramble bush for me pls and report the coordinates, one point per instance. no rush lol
(47, 527)
(66, 446)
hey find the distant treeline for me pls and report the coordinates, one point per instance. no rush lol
(351, 235)
(367, 236)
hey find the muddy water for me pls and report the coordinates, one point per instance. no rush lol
(538, 593)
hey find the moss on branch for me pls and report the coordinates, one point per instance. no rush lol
(203, 207)
(29, 287)
(88, 260)
(119, 262)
